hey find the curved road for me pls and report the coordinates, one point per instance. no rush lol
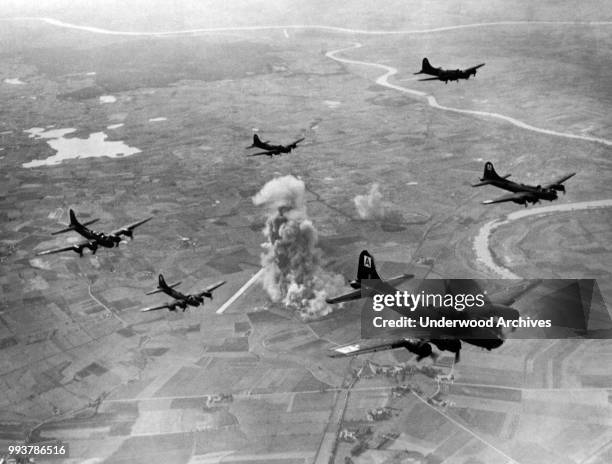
(431, 100)
(382, 80)
(481, 241)
(343, 30)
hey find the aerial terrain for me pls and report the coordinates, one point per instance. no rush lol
(145, 109)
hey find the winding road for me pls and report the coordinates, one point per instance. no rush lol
(389, 71)
(431, 100)
(342, 30)
(481, 241)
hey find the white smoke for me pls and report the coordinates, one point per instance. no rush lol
(372, 205)
(291, 260)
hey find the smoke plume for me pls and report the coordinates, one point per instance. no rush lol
(371, 206)
(291, 260)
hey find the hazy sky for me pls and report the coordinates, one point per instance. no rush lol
(391, 13)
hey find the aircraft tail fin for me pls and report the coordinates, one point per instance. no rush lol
(490, 173)
(162, 285)
(366, 268)
(73, 220)
(73, 224)
(426, 68)
(257, 143)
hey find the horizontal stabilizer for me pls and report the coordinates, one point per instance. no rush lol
(71, 227)
(159, 290)
(88, 223)
(63, 231)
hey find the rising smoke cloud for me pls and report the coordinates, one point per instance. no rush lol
(373, 206)
(370, 206)
(291, 260)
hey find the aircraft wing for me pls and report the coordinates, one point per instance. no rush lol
(155, 308)
(368, 346)
(395, 281)
(354, 295)
(511, 197)
(125, 230)
(212, 287)
(294, 144)
(380, 287)
(474, 68)
(61, 250)
(509, 296)
(269, 153)
(560, 180)
(430, 79)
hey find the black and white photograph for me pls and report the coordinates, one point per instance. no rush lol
(305, 232)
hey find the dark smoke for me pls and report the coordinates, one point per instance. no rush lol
(291, 261)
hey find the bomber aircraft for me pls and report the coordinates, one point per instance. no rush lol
(522, 194)
(444, 339)
(271, 150)
(366, 269)
(181, 300)
(446, 74)
(94, 239)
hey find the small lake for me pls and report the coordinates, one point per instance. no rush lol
(93, 146)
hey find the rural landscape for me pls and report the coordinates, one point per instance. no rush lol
(145, 109)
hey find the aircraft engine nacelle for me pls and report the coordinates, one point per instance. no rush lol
(451, 344)
(558, 188)
(521, 201)
(79, 249)
(421, 349)
(196, 300)
(93, 246)
(355, 284)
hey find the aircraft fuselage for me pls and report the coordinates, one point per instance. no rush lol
(191, 300)
(100, 238)
(453, 74)
(538, 192)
